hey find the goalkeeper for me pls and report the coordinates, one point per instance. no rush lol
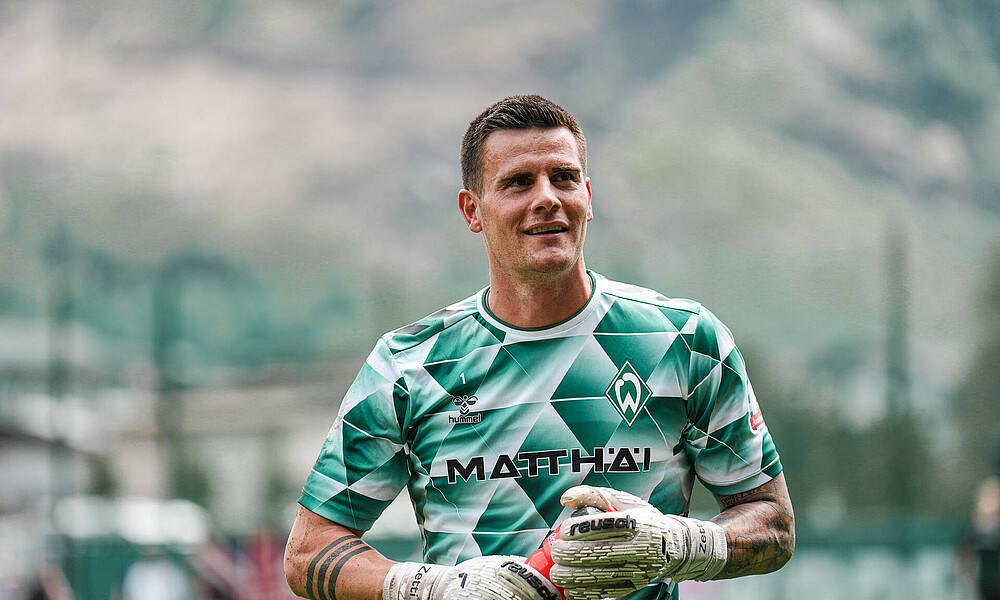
(551, 389)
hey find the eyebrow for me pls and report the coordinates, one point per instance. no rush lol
(565, 168)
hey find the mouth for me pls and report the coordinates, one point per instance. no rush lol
(546, 229)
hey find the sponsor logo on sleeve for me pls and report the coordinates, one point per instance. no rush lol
(755, 416)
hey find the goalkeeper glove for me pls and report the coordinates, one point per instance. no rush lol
(611, 555)
(482, 578)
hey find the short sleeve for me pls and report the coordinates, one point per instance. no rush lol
(726, 436)
(362, 466)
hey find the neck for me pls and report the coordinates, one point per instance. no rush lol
(539, 303)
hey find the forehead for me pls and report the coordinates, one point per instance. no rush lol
(507, 149)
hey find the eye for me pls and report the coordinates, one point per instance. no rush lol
(564, 176)
(519, 182)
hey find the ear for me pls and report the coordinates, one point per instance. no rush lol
(590, 208)
(468, 205)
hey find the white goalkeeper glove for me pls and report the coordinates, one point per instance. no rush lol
(610, 555)
(482, 578)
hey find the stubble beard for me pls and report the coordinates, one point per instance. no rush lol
(529, 267)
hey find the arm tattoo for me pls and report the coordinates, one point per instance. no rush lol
(321, 576)
(740, 498)
(760, 529)
(337, 548)
(335, 574)
(312, 565)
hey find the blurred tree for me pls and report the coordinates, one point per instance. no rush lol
(103, 481)
(192, 482)
(979, 394)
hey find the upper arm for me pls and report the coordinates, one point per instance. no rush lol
(726, 437)
(765, 511)
(366, 443)
(760, 529)
(775, 490)
(308, 523)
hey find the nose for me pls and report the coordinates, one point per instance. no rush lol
(546, 198)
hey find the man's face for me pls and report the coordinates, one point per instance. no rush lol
(535, 203)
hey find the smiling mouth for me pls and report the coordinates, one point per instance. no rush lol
(546, 229)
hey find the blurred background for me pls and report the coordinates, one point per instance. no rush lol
(210, 210)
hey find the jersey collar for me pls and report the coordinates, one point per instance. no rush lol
(596, 287)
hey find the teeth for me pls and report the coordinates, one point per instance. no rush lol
(545, 229)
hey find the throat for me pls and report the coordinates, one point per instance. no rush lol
(532, 305)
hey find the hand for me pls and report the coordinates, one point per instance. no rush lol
(483, 578)
(611, 555)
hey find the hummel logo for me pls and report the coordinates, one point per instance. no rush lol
(464, 402)
(628, 392)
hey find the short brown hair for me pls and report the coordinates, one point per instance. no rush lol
(514, 112)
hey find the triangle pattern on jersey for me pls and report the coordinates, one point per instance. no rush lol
(323, 487)
(374, 486)
(535, 355)
(506, 510)
(633, 318)
(643, 352)
(522, 374)
(589, 374)
(665, 381)
(592, 421)
(724, 342)
(678, 318)
(332, 452)
(461, 357)
(550, 433)
(468, 549)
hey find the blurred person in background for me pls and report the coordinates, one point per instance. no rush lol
(552, 389)
(981, 548)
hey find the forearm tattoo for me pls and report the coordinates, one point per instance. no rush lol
(324, 578)
(760, 529)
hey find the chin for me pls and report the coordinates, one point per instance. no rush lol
(554, 266)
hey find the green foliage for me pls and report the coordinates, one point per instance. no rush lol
(977, 400)
(192, 482)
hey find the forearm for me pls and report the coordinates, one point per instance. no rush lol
(760, 530)
(326, 561)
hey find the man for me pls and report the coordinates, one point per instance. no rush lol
(552, 389)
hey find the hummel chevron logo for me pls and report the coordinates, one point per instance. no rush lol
(463, 403)
(628, 393)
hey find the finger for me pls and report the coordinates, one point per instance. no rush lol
(585, 495)
(621, 500)
(527, 581)
(598, 593)
(590, 554)
(581, 577)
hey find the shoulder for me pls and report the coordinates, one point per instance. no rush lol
(427, 328)
(689, 317)
(628, 293)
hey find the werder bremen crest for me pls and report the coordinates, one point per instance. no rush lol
(628, 392)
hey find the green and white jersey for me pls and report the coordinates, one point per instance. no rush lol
(486, 424)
